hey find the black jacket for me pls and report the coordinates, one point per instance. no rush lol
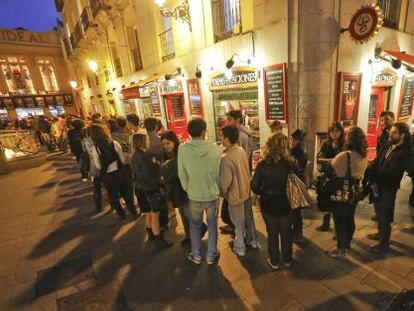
(75, 141)
(146, 171)
(170, 183)
(299, 153)
(388, 172)
(382, 140)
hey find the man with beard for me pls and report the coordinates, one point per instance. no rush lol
(387, 171)
(387, 120)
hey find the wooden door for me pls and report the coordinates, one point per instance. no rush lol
(176, 118)
(376, 107)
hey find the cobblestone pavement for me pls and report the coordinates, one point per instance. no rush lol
(57, 254)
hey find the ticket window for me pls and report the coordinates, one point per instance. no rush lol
(176, 118)
(56, 111)
(29, 112)
(244, 100)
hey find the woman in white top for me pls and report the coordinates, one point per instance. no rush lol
(108, 157)
(352, 161)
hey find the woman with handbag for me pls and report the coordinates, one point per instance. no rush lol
(270, 182)
(329, 149)
(348, 168)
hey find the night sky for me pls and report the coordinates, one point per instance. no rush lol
(34, 15)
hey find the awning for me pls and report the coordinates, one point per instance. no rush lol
(407, 58)
(132, 92)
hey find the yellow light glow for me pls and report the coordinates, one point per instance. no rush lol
(73, 84)
(160, 3)
(93, 65)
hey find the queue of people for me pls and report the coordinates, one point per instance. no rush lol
(140, 162)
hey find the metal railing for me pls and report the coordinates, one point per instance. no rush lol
(85, 19)
(136, 56)
(225, 18)
(118, 67)
(167, 45)
(68, 47)
(18, 144)
(391, 10)
(96, 6)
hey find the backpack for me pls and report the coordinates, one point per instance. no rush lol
(107, 155)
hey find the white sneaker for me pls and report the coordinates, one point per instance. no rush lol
(239, 253)
(274, 267)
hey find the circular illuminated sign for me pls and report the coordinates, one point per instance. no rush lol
(365, 23)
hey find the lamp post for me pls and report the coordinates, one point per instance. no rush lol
(181, 11)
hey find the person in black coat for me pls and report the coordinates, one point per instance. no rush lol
(387, 171)
(299, 153)
(270, 181)
(387, 120)
(329, 149)
(75, 142)
(171, 185)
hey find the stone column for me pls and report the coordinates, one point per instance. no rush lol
(314, 35)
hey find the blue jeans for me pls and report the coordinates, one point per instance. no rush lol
(195, 215)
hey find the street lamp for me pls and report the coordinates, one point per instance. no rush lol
(93, 65)
(73, 84)
(181, 11)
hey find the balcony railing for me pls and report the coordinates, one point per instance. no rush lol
(167, 45)
(118, 67)
(67, 45)
(96, 6)
(136, 56)
(226, 16)
(85, 19)
(391, 10)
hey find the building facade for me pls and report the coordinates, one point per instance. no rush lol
(34, 79)
(290, 60)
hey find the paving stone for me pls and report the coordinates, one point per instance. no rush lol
(63, 275)
(106, 297)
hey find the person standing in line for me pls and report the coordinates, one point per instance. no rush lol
(75, 143)
(146, 170)
(63, 133)
(235, 188)
(121, 135)
(133, 127)
(171, 184)
(299, 153)
(354, 157)
(387, 120)
(269, 182)
(276, 127)
(235, 118)
(198, 170)
(109, 158)
(329, 149)
(88, 146)
(387, 171)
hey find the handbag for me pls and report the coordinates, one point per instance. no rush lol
(297, 192)
(347, 190)
(84, 162)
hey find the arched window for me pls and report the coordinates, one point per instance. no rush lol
(17, 75)
(48, 76)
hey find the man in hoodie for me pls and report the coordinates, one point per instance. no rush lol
(235, 187)
(198, 170)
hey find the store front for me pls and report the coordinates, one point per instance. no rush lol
(146, 109)
(129, 99)
(172, 93)
(19, 107)
(238, 92)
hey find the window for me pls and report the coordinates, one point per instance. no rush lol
(226, 18)
(167, 41)
(88, 80)
(133, 42)
(17, 75)
(96, 79)
(48, 76)
(116, 59)
(391, 10)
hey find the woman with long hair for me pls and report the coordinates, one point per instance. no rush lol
(352, 163)
(146, 171)
(329, 149)
(108, 157)
(75, 142)
(269, 181)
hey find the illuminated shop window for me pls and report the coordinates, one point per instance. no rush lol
(48, 76)
(17, 75)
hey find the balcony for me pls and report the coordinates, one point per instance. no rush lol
(85, 20)
(59, 5)
(96, 6)
(391, 10)
(226, 19)
(68, 47)
(76, 36)
(167, 45)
